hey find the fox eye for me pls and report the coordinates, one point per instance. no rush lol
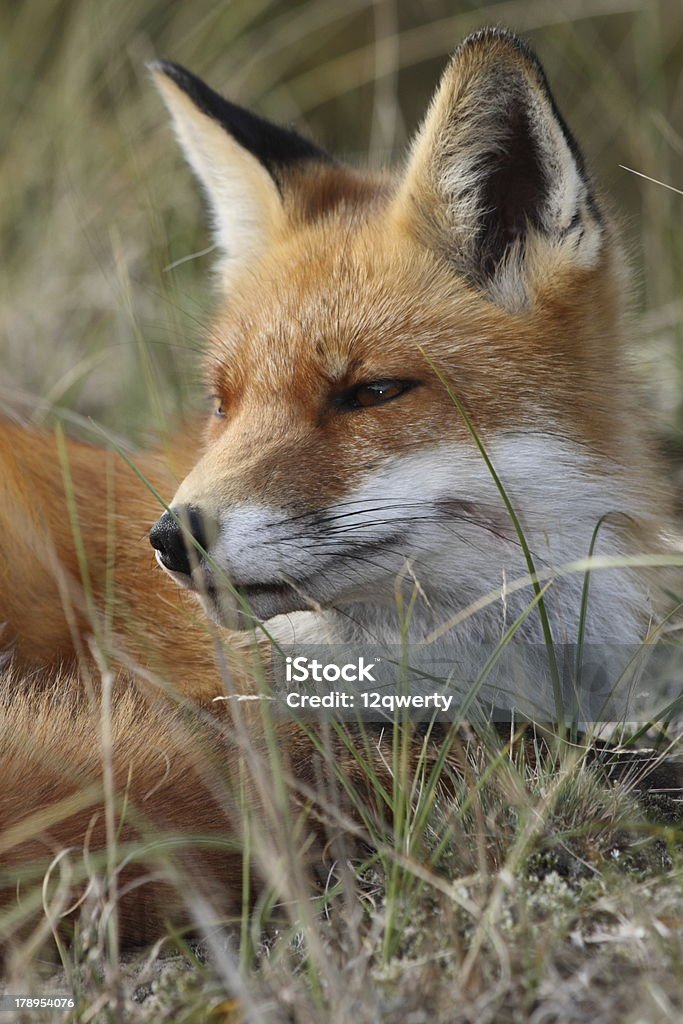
(375, 392)
(217, 406)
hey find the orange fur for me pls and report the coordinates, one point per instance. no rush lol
(50, 616)
(180, 782)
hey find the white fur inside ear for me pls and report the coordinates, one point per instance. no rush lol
(570, 232)
(568, 214)
(245, 204)
(471, 128)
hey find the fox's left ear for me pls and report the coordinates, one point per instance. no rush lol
(241, 160)
(496, 181)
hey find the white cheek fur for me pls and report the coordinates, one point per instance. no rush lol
(557, 490)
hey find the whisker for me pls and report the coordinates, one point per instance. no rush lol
(360, 509)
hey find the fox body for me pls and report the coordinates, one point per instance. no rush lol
(375, 333)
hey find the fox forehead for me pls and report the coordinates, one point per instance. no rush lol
(337, 291)
(342, 302)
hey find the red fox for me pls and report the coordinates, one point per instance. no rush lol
(376, 332)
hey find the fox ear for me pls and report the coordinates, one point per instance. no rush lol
(496, 181)
(241, 160)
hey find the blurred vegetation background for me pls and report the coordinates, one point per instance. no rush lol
(101, 308)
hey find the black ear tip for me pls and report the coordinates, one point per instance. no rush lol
(494, 34)
(273, 146)
(175, 72)
(201, 94)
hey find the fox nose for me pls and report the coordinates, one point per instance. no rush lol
(172, 535)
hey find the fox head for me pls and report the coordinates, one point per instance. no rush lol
(376, 331)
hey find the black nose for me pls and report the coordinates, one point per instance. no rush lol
(172, 538)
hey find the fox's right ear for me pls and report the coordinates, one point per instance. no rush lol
(241, 160)
(496, 182)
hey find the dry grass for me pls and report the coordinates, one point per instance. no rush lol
(531, 892)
